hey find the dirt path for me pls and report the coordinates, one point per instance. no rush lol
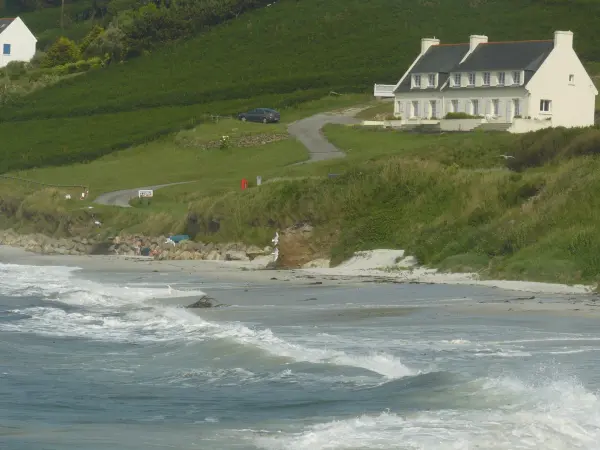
(123, 197)
(308, 131)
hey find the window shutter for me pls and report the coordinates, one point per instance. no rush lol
(407, 109)
(426, 109)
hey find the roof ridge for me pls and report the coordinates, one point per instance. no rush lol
(8, 18)
(517, 42)
(450, 45)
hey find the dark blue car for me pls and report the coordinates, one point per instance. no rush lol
(264, 115)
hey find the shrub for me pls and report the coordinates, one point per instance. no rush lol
(83, 65)
(89, 38)
(15, 69)
(38, 59)
(540, 147)
(460, 115)
(63, 51)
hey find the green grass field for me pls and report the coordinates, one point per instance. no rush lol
(277, 56)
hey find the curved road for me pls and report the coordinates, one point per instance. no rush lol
(122, 198)
(307, 131)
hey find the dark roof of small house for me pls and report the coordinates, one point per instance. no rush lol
(5, 22)
(523, 55)
(437, 59)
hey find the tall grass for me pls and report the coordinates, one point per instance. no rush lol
(538, 225)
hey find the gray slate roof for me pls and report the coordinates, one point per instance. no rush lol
(525, 55)
(444, 59)
(5, 23)
(438, 58)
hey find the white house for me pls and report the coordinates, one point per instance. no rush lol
(523, 85)
(17, 43)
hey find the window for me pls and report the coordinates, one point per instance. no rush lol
(472, 79)
(457, 80)
(496, 107)
(517, 107)
(6, 49)
(415, 108)
(572, 79)
(432, 80)
(486, 78)
(417, 81)
(516, 77)
(475, 107)
(501, 78)
(454, 104)
(545, 106)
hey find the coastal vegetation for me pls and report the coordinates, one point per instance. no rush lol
(451, 200)
(158, 112)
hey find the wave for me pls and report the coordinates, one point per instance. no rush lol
(123, 314)
(553, 414)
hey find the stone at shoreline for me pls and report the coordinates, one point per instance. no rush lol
(206, 302)
(133, 245)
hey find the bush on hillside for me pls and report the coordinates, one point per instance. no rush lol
(38, 59)
(553, 145)
(89, 38)
(63, 51)
(110, 44)
(14, 70)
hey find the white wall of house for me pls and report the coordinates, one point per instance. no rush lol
(563, 81)
(21, 42)
(528, 125)
(470, 101)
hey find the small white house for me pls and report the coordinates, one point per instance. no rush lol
(519, 86)
(17, 42)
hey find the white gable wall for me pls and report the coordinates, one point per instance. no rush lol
(573, 103)
(21, 40)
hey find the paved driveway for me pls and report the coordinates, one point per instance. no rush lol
(309, 132)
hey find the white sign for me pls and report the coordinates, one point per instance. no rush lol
(145, 193)
(258, 180)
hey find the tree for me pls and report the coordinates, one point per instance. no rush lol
(111, 42)
(63, 51)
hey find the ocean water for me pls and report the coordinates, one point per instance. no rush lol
(99, 361)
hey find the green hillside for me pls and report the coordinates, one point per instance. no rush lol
(278, 55)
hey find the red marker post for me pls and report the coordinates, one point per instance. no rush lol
(244, 184)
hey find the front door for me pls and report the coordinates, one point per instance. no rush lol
(433, 108)
(516, 107)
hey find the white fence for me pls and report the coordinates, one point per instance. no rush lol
(384, 90)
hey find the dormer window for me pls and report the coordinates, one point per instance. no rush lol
(457, 80)
(501, 78)
(417, 81)
(516, 77)
(486, 78)
(472, 79)
(431, 80)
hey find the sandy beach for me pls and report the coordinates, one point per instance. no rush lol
(368, 267)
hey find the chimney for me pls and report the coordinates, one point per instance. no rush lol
(475, 40)
(563, 39)
(428, 42)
